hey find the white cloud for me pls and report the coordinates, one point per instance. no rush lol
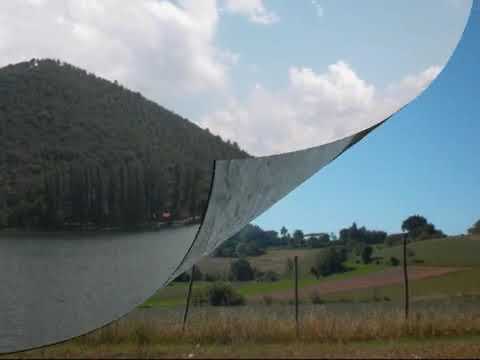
(318, 8)
(162, 48)
(315, 109)
(255, 10)
(166, 50)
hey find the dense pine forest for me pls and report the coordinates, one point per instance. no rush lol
(78, 151)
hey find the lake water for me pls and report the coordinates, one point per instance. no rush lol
(57, 286)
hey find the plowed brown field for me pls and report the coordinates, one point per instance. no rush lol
(383, 278)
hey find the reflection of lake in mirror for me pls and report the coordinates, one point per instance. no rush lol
(99, 157)
(80, 281)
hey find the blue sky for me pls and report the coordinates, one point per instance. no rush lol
(346, 31)
(282, 75)
(424, 160)
(273, 75)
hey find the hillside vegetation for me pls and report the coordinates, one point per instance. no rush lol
(78, 150)
(451, 251)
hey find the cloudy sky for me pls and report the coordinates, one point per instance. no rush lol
(274, 75)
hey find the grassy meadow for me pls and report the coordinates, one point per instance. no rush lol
(369, 322)
(364, 331)
(451, 251)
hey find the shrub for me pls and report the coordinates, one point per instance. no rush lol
(222, 294)
(329, 262)
(394, 261)
(475, 229)
(289, 266)
(185, 276)
(315, 298)
(367, 252)
(200, 297)
(142, 335)
(241, 270)
(210, 278)
(267, 300)
(268, 276)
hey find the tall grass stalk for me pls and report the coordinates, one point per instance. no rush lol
(318, 326)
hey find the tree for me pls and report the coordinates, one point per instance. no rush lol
(298, 238)
(414, 224)
(475, 229)
(328, 262)
(283, 231)
(241, 270)
(116, 160)
(355, 237)
(322, 240)
(419, 228)
(367, 254)
(250, 241)
(241, 250)
(333, 237)
(394, 261)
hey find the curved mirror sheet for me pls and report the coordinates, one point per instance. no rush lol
(55, 287)
(101, 195)
(244, 189)
(106, 196)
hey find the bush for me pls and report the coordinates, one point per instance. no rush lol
(315, 298)
(241, 270)
(267, 300)
(185, 277)
(367, 252)
(289, 267)
(200, 297)
(3, 219)
(269, 276)
(475, 229)
(210, 278)
(222, 294)
(328, 262)
(394, 261)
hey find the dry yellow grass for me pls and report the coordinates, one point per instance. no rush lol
(250, 336)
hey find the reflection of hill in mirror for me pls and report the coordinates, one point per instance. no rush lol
(79, 152)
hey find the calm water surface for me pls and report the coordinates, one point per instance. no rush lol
(57, 286)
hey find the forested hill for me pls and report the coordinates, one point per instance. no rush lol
(78, 150)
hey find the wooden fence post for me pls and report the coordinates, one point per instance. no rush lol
(405, 276)
(189, 294)
(296, 296)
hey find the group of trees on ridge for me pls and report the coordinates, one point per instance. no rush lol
(354, 244)
(253, 240)
(78, 150)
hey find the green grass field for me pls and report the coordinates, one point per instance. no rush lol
(174, 294)
(273, 260)
(444, 321)
(452, 251)
(461, 283)
(460, 252)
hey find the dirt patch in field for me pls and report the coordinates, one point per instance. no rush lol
(388, 277)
